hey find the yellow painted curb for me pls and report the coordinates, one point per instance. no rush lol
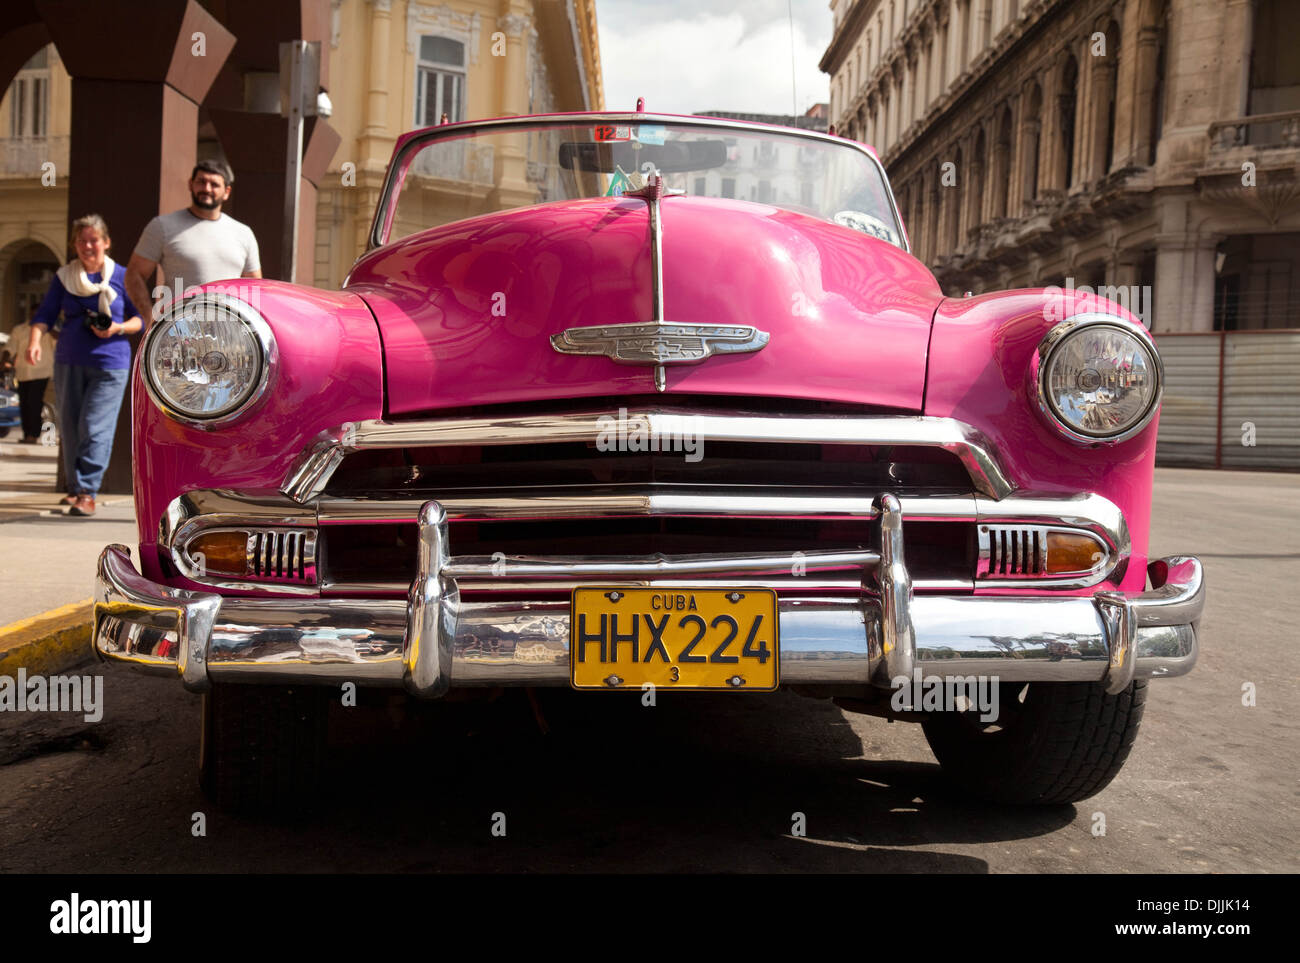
(48, 642)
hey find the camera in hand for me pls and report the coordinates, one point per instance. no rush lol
(101, 322)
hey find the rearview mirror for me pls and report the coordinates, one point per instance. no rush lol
(672, 158)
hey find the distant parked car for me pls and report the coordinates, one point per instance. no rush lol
(476, 465)
(10, 416)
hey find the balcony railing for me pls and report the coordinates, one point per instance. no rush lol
(1280, 129)
(25, 156)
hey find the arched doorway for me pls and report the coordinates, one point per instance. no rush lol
(26, 269)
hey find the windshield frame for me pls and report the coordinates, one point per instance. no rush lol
(414, 141)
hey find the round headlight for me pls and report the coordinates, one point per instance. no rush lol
(1099, 378)
(209, 359)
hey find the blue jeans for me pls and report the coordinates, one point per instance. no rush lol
(88, 400)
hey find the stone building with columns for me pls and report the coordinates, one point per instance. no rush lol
(1148, 146)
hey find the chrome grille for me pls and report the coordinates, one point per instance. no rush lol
(425, 458)
(1010, 551)
(282, 555)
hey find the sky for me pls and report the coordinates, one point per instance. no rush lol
(686, 56)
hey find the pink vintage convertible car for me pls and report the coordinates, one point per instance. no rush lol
(616, 401)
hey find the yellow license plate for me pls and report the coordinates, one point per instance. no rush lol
(679, 638)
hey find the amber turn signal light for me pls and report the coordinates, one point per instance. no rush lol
(1067, 552)
(224, 552)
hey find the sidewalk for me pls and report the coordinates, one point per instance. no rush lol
(47, 557)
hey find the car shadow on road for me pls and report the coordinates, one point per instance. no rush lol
(600, 782)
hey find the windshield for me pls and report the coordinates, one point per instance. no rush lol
(464, 173)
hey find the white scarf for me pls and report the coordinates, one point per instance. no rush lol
(74, 279)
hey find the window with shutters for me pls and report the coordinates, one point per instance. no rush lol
(29, 98)
(440, 81)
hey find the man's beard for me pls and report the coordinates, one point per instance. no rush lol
(207, 205)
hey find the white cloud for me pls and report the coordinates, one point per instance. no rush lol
(709, 62)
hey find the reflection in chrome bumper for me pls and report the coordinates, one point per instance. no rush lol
(435, 639)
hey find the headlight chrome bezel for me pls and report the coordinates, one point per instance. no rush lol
(262, 335)
(1041, 363)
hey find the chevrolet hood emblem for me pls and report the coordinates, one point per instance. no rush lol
(659, 342)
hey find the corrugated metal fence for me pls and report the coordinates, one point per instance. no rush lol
(1232, 399)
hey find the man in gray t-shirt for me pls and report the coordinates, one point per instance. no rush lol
(194, 245)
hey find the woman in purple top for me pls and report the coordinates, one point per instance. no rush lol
(93, 357)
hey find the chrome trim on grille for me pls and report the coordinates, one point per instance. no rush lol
(282, 555)
(656, 565)
(1082, 513)
(1017, 554)
(311, 471)
(203, 510)
(273, 557)
(278, 532)
(505, 583)
(641, 500)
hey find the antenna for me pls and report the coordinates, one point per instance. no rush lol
(794, 90)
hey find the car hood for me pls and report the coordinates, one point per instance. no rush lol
(466, 311)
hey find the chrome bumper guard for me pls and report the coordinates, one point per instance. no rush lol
(435, 640)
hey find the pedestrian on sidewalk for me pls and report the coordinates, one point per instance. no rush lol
(93, 357)
(32, 379)
(194, 245)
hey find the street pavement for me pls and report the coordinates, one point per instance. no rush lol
(47, 557)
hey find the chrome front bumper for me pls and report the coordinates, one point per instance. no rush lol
(434, 640)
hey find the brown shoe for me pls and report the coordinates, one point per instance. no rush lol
(84, 505)
(69, 499)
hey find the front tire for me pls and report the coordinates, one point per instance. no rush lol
(1064, 742)
(263, 747)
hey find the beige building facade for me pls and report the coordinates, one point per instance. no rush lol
(35, 119)
(1150, 147)
(394, 65)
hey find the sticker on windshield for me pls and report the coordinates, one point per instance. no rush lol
(867, 224)
(603, 132)
(621, 182)
(651, 134)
